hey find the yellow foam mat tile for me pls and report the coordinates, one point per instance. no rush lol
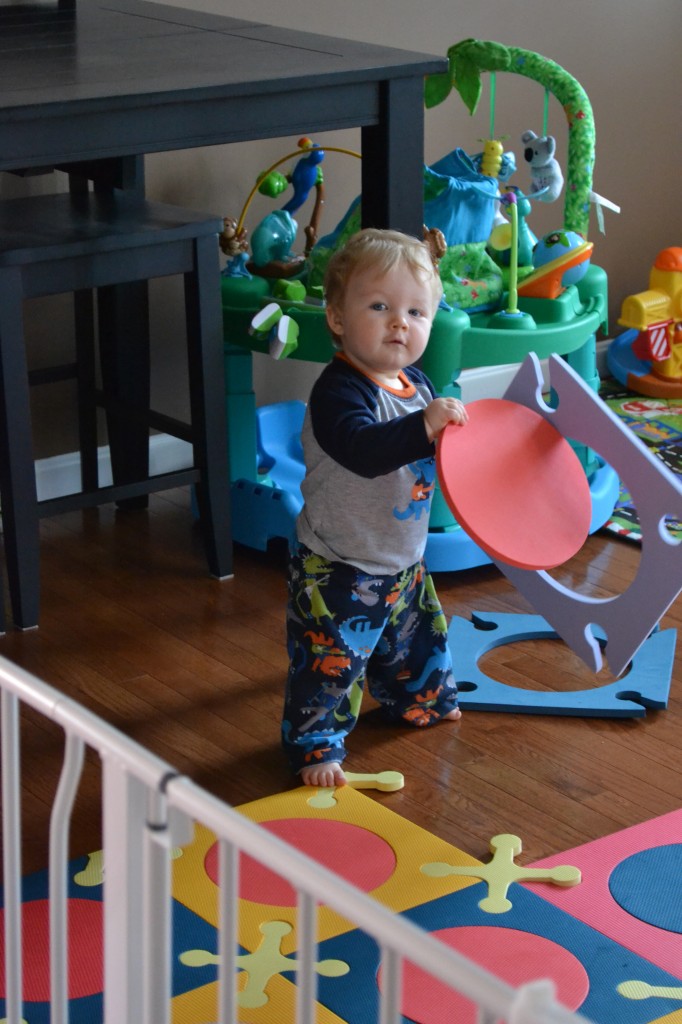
(201, 1006)
(405, 885)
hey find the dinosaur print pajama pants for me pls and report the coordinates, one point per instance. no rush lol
(345, 626)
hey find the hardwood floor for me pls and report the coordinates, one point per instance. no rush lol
(194, 669)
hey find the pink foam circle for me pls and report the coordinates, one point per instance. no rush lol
(515, 485)
(514, 956)
(86, 976)
(356, 854)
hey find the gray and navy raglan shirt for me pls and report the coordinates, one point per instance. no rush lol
(370, 469)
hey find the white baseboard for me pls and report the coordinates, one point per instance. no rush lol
(60, 474)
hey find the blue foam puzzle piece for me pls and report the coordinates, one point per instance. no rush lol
(88, 1010)
(189, 931)
(354, 996)
(85, 1009)
(645, 685)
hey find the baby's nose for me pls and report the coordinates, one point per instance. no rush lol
(400, 320)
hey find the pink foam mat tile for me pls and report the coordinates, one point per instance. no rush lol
(630, 890)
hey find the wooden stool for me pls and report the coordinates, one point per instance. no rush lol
(115, 243)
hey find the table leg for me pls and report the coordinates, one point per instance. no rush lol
(393, 159)
(17, 471)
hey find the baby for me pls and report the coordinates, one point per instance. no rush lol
(362, 605)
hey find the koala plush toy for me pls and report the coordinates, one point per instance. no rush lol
(547, 180)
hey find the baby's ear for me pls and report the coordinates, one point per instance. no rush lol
(334, 320)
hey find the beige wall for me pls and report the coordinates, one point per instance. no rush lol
(625, 54)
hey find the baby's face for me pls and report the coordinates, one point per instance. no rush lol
(384, 321)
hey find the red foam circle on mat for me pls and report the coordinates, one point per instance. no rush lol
(356, 854)
(85, 949)
(514, 956)
(515, 485)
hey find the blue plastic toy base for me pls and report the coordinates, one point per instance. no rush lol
(261, 512)
(638, 374)
(622, 362)
(646, 684)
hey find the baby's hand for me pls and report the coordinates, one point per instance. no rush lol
(442, 411)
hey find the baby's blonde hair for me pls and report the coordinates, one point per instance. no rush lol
(379, 250)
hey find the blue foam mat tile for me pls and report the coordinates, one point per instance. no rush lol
(189, 932)
(646, 683)
(354, 997)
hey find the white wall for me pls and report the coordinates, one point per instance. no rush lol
(625, 54)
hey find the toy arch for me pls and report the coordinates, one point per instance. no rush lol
(302, 151)
(470, 57)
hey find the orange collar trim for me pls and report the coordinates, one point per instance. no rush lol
(405, 392)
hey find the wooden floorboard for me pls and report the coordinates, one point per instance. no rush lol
(134, 629)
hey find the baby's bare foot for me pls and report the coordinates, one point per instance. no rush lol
(453, 715)
(328, 774)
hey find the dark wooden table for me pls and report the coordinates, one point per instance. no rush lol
(91, 86)
(101, 80)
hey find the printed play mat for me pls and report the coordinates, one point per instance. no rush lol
(658, 423)
(603, 921)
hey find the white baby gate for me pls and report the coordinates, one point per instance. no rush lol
(148, 809)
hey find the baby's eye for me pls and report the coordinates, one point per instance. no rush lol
(417, 312)
(379, 306)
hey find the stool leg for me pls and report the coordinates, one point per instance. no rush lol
(123, 315)
(84, 309)
(17, 469)
(207, 401)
